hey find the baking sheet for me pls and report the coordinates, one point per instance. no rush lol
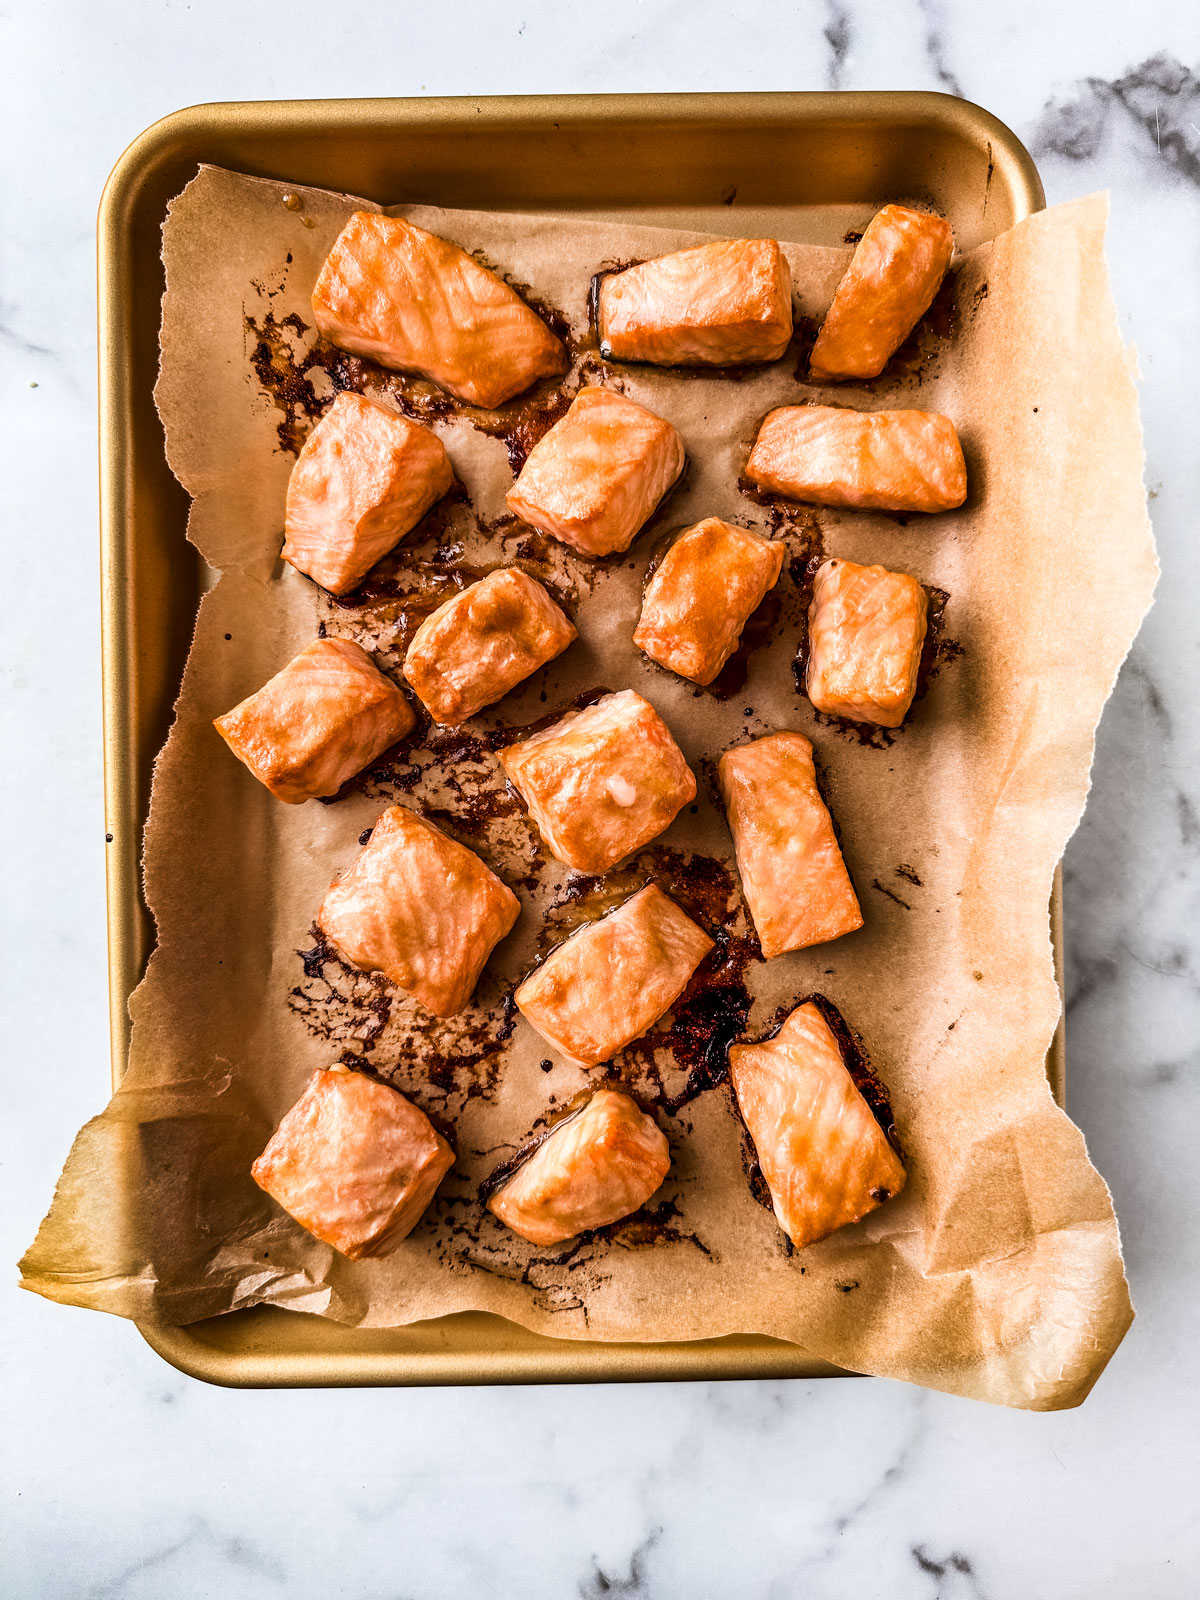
(998, 1272)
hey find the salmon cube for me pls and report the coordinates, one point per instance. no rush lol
(420, 908)
(701, 595)
(323, 718)
(483, 642)
(596, 478)
(866, 629)
(354, 1163)
(365, 477)
(889, 285)
(592, 1168)
(826, 1160)
(602, 782)
(406, 298)
(715, 305)
(881, 460)
(611, 981)
(793, 877)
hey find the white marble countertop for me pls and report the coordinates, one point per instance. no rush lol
(124, 1479)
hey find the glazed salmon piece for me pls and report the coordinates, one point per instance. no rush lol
(715, 305)
(611, 981)
(889, 285)
(365, 478)
(323, 718)
(793, 877)
(483, 642)
(593, 1168)
(354, 1163)
(826, 1160)
(866, 628)
(701, 595)
(418, 303)
(601, 782)
(420, 908)
(597, 476)
(881, 460)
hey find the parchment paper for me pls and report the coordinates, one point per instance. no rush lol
(997, 1273)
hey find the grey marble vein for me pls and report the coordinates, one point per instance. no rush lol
(1161, 97)
(838, 35)
(633, 1584)
(936, 46)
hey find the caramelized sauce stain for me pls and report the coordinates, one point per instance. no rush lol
(937, 651)
(336, 1002)
(449, 1060)
(653, 1225)
(522, 422)
(512, 1163)
(759, 630)
(650, 1225)
(286, 370)
(804, 336)
(916, 359)
(890, 894)
(854, 1055)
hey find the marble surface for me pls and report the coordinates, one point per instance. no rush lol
(122, 1478)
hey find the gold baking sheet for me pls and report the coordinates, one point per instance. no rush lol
(803, 167)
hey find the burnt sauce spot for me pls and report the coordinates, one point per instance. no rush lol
(755, 1181)
(302, 380)
(650, 1225)
(653, 1225)
(804, 336)
(759, 630)
(890, 894)
(522, 422)
(335, 1001)
(858, 1065)
(441, 1062)
(500, 1174)
(713, 1009)
(920, 354)
(940, 650)
(608, 270)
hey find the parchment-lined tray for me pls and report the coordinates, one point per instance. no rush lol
(802, 167)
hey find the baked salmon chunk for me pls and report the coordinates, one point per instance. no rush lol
(612, 980)
(866, 628)
(889, 285)
(596, 478)
(418, 303)
(602, 782)
(718, 304)
(354, 1162)
(881, 460)
(826, 1160)
(592, 1168)
(793, 877)
(484, 642)
(365, 477)
(701, 595)
(420, 908)
(323, 718)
